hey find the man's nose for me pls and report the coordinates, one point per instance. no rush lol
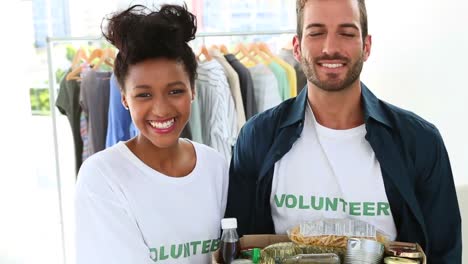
(330, 45)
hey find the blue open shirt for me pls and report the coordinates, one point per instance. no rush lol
(415, 168)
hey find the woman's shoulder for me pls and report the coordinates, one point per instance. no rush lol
(98, 166)
(108, 155)
(206, 152)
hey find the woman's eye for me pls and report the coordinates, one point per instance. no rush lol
(177, 91)
(143, 95)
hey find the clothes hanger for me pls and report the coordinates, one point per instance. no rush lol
(223, 49)
(255, 51)
(97, 53)
(80, 55)
(264, 47)
(76, 64)
(241, 49)
(110, 57)
(106, 56)
(204, 51)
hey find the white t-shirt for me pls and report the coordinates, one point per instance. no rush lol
(329, 174)
(126, 212)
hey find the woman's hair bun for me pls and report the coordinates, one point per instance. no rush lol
(185, 22)
(140, 33)
(139, 27)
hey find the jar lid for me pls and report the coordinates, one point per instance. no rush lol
(228, 223)
(395, 260)
(242, 261)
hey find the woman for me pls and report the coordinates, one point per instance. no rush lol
(157, 197)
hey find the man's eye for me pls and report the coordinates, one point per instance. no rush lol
(349, 35)
(316, 34)
(143, 95)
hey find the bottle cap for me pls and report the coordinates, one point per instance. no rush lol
(228, 223)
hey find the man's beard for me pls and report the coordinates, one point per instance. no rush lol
(332, 84)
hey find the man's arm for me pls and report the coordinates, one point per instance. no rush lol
(439, 204)
(242, 181)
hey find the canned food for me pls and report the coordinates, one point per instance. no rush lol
(404, 250)
(364, 251)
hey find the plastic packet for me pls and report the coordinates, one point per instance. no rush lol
(334, 232)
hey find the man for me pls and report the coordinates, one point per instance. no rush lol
(337, 151)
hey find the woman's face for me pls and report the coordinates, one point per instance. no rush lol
(159, 95)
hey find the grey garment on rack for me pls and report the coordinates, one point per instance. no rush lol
(266, 87)
(287, 55)
(94, 100)
(68, 103)
(246, 84)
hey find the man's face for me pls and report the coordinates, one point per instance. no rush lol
(332, 51)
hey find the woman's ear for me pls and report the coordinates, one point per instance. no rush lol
(124, 100)
(194, 94)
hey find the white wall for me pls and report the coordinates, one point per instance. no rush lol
(419, 62)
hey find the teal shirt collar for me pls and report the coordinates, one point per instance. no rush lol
(371, 105)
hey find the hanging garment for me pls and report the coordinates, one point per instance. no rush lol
(195, 121)
(282, 78)
(84, 136)
(94, 100)
(246, 85)
(287, 55)
(266, 87)
(234, 84)
(217, 110)
(120, 126)
(291, 74)
(68, 103)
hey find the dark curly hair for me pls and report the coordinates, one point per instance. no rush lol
(140, 33)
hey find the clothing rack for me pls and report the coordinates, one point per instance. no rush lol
(52, 97)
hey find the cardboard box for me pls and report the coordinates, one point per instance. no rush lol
(411, 245)
(424, 261)
(261, 241)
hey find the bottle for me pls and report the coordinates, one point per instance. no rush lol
(229, 244)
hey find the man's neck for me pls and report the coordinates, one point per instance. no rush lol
(337, 110)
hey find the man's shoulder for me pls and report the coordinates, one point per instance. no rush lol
(410, 124)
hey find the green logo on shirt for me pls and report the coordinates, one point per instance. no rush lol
(184, 250)
(332, 204)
